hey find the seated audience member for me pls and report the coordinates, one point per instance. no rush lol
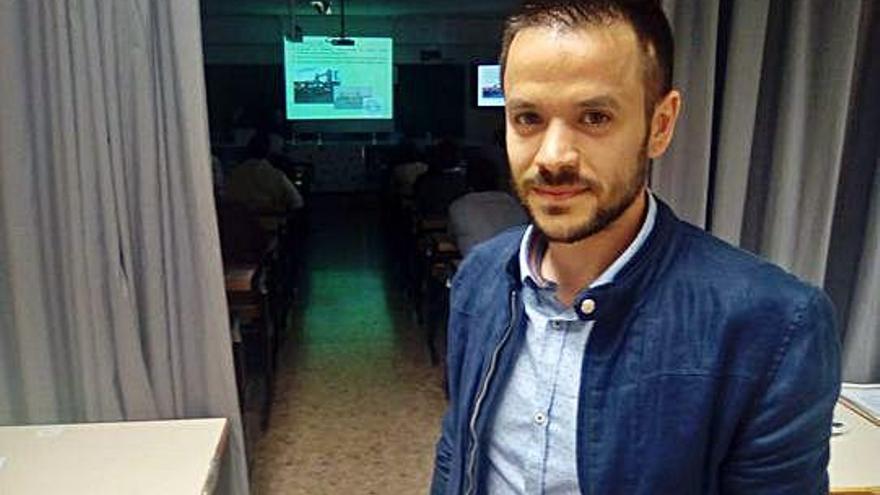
(484, 212)
(274, 129)
(407, 171)
(242, 238)
(278, 159)
(442, 184)
(261, 187)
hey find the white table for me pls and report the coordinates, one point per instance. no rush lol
(138, 457)
(855, 455)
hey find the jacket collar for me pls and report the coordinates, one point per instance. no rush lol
(615, 299)
(533, 246)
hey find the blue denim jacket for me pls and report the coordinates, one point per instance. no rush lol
(708, 371)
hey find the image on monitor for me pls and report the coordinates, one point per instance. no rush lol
(489, 93)
(327, 80)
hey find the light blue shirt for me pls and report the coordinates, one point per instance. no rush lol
(532, 441)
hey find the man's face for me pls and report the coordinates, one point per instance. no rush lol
(576, 126)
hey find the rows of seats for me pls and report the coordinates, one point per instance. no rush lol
(262, 251)
(417, 197)
(437, 210)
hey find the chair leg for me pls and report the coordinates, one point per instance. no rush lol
(432, 346)
(267, 345)
(433, 317)
(240, 361)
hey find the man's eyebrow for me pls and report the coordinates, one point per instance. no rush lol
(604, 101)
(600, 102)
(519, 104)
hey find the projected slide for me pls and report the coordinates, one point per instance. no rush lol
(489, 92)
(324, 81)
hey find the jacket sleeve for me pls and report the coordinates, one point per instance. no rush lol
(446, 445)
(783, 445)
(443, 457)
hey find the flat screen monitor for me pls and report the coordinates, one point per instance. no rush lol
(326, 79)
(489, 93)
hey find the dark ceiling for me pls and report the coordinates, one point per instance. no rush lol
(382, 8)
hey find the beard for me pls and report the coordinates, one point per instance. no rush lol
(620, 198)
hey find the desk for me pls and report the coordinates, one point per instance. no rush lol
(240, 278)
(143, 457)
(250, 308)
(855, 455)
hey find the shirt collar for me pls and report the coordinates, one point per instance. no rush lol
(533, 245)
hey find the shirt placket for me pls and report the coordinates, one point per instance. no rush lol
(553, 336)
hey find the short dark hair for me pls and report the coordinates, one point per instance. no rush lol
(482, 174)
(645, 16)
(443, 155)
(258, 146)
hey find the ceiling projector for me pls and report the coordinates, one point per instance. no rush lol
(322, 7)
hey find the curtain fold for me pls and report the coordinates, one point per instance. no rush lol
(779, 149)
(682, 174)
(112, 296)
(748, 32)
(810, 122)
(856, 236)
(861, 349)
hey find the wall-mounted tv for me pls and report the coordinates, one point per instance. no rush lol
(326, 79)
(488, 87)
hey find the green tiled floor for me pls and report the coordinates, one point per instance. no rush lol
(357, 405)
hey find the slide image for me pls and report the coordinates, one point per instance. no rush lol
(352, 97)
(492, 91)
(327, 81)
(373, 106)
(315, 86)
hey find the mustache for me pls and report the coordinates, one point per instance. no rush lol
(562, 177)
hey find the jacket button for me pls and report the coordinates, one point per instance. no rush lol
(540, 418)
(588, 306)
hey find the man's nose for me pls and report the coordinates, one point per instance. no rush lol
(558, 148)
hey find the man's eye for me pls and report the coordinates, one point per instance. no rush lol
(527, 119)
(596, 119)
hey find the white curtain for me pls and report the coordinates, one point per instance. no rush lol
(777, 147)
(682, 176)
(862, 342)
(112, 301)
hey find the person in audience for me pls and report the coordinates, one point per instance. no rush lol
(261, 187)
(610, 347)
(242, 128)
(485, 211)
(409, 168)
(444, 181)
(274, 126)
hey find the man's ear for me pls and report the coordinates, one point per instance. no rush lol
(663, 123)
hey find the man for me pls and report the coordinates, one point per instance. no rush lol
(261, 187)
(485, 211)
(610, 347)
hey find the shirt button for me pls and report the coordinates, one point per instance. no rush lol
(540, 418)
(588, 306)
